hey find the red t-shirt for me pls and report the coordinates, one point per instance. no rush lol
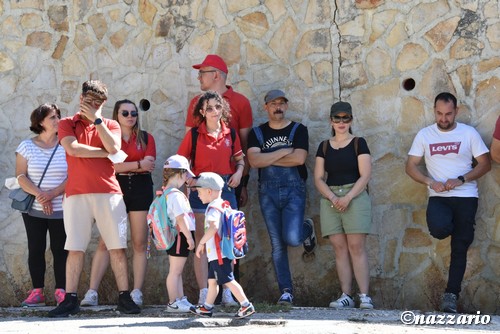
(88, 175)
(135, 152)
(212, 155)
(496, 134)
(241, 111)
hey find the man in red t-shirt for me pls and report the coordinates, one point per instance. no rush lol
(212, 74)
(92, 194)
(495, 143)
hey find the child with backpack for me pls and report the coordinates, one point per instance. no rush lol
(175, 173)
(209, 190)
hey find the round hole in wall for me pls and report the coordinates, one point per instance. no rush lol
(408, 84)
(144, 105)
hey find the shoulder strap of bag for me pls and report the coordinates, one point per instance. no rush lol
(194, 140)
(325, 143)
(356, 145)
(145, 136)
(48, 163)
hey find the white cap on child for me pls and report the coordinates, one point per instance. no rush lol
(178, 162)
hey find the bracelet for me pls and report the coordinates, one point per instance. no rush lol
(138, 164)
(17, 177)
(244, 180)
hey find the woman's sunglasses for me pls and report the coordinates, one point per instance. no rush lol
(125, 113)
(343, 119)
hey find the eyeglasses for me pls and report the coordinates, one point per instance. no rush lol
(125, 113)
(200, 73)
(217, 107)
(343, 119)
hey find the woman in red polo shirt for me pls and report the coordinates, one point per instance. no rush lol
(134, 176)
(217, 152)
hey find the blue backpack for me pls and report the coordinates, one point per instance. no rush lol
(232, 243)
(162, 230)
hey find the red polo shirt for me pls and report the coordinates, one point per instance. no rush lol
(212, 155)
(88, 175)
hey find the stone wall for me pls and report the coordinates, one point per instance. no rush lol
(388, 58)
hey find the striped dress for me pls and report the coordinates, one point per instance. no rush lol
(57, 172)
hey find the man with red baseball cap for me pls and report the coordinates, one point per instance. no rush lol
(212, 74)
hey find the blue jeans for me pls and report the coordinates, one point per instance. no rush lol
(455, 217)
(282, 198)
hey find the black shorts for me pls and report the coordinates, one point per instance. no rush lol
(137, 191)
(222, 274)
(183, 250)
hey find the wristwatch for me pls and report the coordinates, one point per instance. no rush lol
(98, 121)
(461, 178)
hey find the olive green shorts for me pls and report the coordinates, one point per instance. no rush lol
(356, 219)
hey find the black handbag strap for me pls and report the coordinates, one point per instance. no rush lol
(48, 163)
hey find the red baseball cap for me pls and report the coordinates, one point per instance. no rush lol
(213, 61)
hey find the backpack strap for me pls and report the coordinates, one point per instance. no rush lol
(194, 141)
(218, 239)
(145, 137)
(324, 147)
(233, 138)
(356, 139)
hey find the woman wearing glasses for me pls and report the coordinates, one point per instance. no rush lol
(341, 174)
(218, 150)
(134, 176)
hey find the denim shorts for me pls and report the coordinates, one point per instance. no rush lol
(228, 194)
(356, 219)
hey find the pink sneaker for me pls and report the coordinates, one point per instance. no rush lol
(59, 295)
(36, 298)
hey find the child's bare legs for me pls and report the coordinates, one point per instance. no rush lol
(213, 290)
(236, 290)
(174, 278)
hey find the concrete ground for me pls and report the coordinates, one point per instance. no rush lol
(298, 320)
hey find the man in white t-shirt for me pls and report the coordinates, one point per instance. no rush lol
(448, 148)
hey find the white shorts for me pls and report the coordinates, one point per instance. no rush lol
(107, 210)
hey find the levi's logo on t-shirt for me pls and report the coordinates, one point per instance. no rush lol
(445, 148)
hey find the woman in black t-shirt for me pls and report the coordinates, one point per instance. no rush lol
(345, 208)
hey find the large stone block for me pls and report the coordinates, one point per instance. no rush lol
(493, 35)
(147, 11)
(58, 16)
(99, 25)
(283, 40)
(379, 63)
(411, 57)
(423, 14)
(381, 22)
(314, 42)
(253, 25)
(6, 63)
(318, 11)
(41, 40)
(31, 21)
(229, 48)
(414, 238)
(441, 34)
(465, 48)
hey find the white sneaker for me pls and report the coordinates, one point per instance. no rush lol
(136, 296)
(203, 296)
(365, 302)
(90, 299)
(186, 302)
(177, 307)
(227, 298)
(343, 302)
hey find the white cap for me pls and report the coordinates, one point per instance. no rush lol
(209, 180)
(178, 162)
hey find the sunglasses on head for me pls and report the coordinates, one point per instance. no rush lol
(125, 113)
(343, 119)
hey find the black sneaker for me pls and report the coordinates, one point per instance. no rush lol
(449, 303)
(66, 307)
(310, 242)
(126, 305)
